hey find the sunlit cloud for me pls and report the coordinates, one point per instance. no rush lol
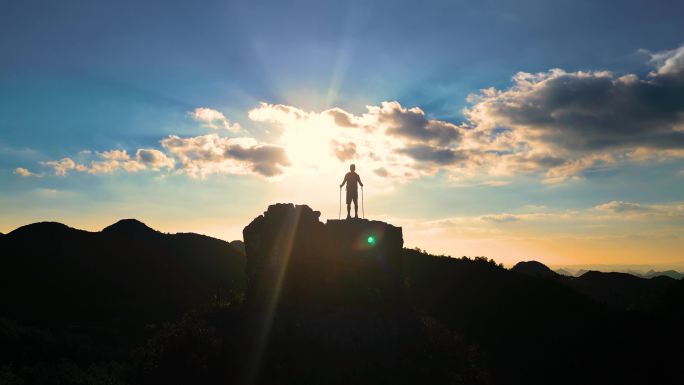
(107, 162)
(500, 218)
(154, 159)
(397, 142)
(209, 154)
(668, 62)
(63, 166)
(630, 209)
(563, 123)
(621, 207)
(554, 124)
(24, 172)
(213, 119)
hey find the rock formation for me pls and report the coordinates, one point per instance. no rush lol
(293, 259)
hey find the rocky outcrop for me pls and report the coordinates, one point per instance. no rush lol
(293, 259)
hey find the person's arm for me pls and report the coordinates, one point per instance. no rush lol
(343, 181)
(360, 180)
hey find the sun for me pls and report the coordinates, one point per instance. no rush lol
(308, 145)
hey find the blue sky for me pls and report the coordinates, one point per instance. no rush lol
(81, 78)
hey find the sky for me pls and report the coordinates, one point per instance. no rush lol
(515, 130)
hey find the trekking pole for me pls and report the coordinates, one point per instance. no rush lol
(363, 210)
(339, 210)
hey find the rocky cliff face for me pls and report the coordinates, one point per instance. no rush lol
(293, 259)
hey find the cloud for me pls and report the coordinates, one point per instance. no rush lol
(412, 124)
(342, 118)
(276, 113)
(344, 151)
(669, 211)
(63, 166)
(382, 172)
(154, 159)
(495, 183)
(113, 160)
(402, 141)
(675, 209)
(199, 156)
(24, 172)
(622, 207)
(582, 120)
(110, 161)
(556, 124)
(426, 153)
(500, 218)
(586, 111)
(213, 119)
(211, 154)
(669, 62)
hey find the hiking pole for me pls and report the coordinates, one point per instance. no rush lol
(363, 210)
(339, 210)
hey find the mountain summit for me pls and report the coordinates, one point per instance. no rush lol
(533, 268)
(129, 227)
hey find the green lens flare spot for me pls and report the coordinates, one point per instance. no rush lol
(371, 240)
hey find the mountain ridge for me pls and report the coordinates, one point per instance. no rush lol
(340, 305)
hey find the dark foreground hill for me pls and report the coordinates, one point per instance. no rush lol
(336, 302)
(126, 272)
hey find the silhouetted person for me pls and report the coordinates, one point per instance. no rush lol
(352, 179)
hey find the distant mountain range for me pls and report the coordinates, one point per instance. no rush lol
(617, 289)
(639, 273)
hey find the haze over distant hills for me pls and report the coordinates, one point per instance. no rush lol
(301, 301)
(673, 270)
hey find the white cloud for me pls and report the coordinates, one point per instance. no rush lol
(63, 166)
(669, 62)
(110, 161)
(24, 172)
(212, 154)
(113, 160)
(213, 119)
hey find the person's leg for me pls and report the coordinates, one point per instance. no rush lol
(356, 206)
(349, 199)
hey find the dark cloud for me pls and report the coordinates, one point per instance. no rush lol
(591, 111)
(414, 125)
(266, 160)
(425, 153)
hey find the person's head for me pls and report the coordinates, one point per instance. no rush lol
(352, 167)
